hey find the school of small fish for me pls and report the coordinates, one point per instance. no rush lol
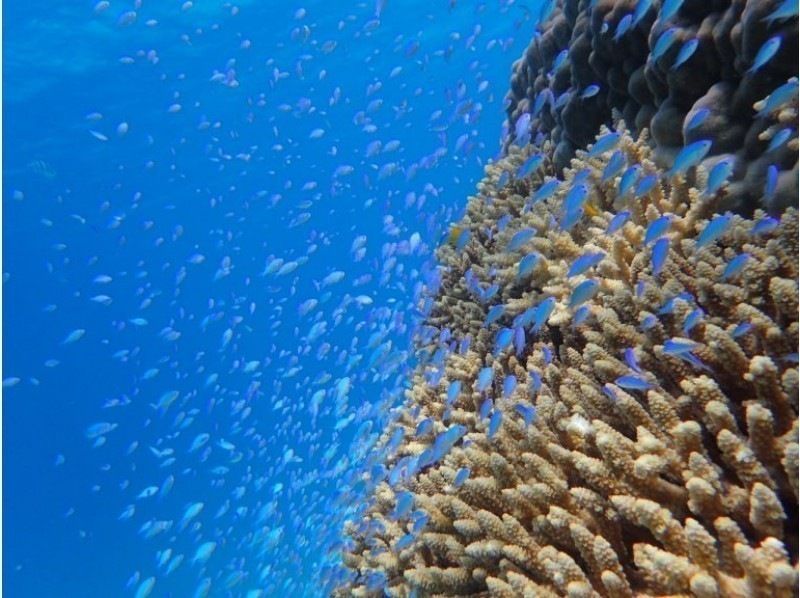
(256, 324)
(268, 369)
(694, 75)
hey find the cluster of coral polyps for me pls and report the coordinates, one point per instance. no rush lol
(636, 439)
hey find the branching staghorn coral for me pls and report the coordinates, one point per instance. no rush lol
(624, 425)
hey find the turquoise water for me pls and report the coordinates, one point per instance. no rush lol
(217, 219)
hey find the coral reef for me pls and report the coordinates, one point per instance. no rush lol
(606, 405)
(597, 56)
(607, 391)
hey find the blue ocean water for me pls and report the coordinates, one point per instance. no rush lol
(198, 344)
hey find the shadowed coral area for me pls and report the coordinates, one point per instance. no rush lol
(618, 425)
(686, 70)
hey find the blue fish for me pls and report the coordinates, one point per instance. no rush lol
(526, 265)
(463, 239)
(541, 99)
(779, 139)
(644, 186)
(771, 182)
(693, 360)
(519, 239)
(509, 384)
(580, 315)
(559, 59)
(405, 501)
(522, 128)
(669, 304)
(420, 519)
(547, 355)
(735, 266)
(583, 292)
(73, 336)
(427, 457)
(536, 382)
(494, 423)
(664, 42)
(697, 119)
(562, 100)
(764, 226)
(741, 329)
(395, 440)
(485, 408)
(718, 176)
(633, 383)
(649, 322)
(642, 6)
(575, 198)
(689, 156)
(546, 190)
(685, 53)
(715, 228)
(584, 262)
(765, 53)
(570, 219)
(781, 95)
(692, 319)
(530, 165)
(630, 359)
(629, 178)
(679, 346)
(425, 426)
(623, 26)
(447, 440)
(519, 340)
(503, 340)
(659, 255)
(527, 412)
(657, 228)
(542, 313)
(590, 91)
(487, 295)
(615, 164)
(453, 390)
(605, 143)
(461, 476)
(617, 222)
(494, 314)
(786, 10)
(581, 176)
(525, 318)
(669, 9)
(485, 379)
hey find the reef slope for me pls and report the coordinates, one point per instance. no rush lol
(606, 401)
(641, 441)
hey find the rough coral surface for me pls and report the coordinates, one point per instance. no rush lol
(632, 58)
(627, 430)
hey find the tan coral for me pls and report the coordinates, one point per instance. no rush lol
(684, 486)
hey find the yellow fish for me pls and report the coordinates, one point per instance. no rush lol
(591, 210)
(455, 233)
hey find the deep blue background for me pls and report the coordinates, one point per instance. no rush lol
(71, 213)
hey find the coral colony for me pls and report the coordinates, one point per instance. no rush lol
(606, 397)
